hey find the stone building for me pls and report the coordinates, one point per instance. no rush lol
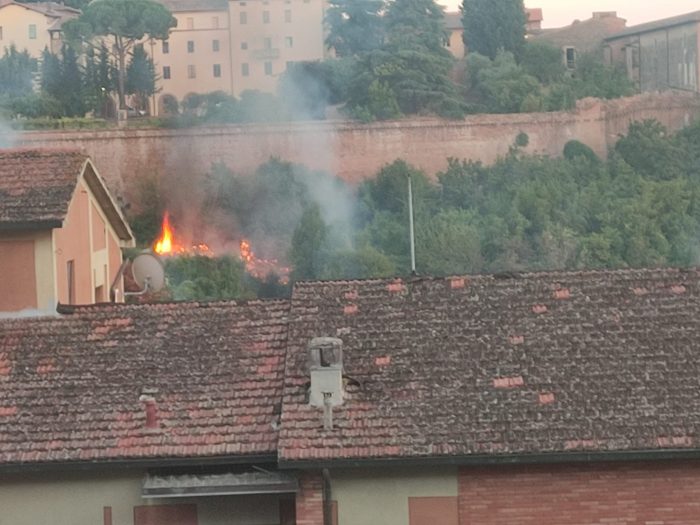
(659, 55)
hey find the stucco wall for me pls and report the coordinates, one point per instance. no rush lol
(80, 498)
(26, 264)
(370, 497)
(354, 151)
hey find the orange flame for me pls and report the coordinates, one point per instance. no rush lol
(168, 245)
(164, 245)
(261, 268)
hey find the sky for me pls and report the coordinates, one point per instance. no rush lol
(559, 13)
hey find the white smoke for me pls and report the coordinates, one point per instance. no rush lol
(7, 135)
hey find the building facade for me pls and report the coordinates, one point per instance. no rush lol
(195, 58)
(659, 55)
(61, 232)
(33, 26)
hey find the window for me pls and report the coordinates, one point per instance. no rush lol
(166, 47)
(190, 46)
(32, 31)
(243, 17)
(0, 32)
(288, 15)
(268, 43)
(288, 42)
(570, 57)
(190, 23)
(215, 46)
(166, 72)
(244, 45)
(268, 68)
(245, 70)
(70, 274)
(215, 22)
(217, 70)
(266, 17)
(191, 71)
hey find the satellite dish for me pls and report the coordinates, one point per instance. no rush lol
(148, 272)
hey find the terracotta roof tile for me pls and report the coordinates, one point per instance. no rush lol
(472, 370)
(75, 382)
(36, 186)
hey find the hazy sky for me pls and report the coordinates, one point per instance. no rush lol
(559, 13)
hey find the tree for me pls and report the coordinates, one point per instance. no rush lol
(412, 68)
(141, 77)
(355, 26)
(50, 71)
(493, 25)
(124, 23)
(98, 81)
(72, 82)
(16, 72)
(308, 245)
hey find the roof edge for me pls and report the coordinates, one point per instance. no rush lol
(136, 463)
(494, 460)
(656, 25)
(99, 188)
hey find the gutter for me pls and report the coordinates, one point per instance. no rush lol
(82, 466)
(484, 460)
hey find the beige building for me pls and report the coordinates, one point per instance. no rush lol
(34, 26)
(236, 45)
(267, 35)
(195, 59)
(61, 232)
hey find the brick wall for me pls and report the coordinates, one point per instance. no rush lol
(630, 494)
(356, 151)
(309, 501)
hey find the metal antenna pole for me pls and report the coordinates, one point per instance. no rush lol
(410, 223)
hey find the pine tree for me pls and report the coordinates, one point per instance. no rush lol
(141, 77)
(71, 84)
(355, 26)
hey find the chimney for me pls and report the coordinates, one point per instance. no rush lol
(151, 411)
(326, 369)
(599, 15)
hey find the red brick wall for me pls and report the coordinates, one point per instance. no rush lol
(352, 150)
(630, 494)
(310, 499)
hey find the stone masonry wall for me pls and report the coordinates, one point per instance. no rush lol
(356, 151)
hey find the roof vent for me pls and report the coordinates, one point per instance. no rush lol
(326, 368)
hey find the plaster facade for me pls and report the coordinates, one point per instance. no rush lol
(195, 58)
(86, 499)
(32, 27)
(74, 264)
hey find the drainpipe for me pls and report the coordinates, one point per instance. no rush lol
(327, 498)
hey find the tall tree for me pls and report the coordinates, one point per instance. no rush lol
(141, 77)
(50, 71)
(355, 26)
(493, 25)
(412, 69)
(72, 81)
(309, 244)
(16, 72)
(124, 23)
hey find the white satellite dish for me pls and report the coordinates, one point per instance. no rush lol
(148, 272)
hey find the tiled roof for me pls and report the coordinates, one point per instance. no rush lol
(584, 35)
(71, 386)
(688, 18)
(36, 186)
(500, 365)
